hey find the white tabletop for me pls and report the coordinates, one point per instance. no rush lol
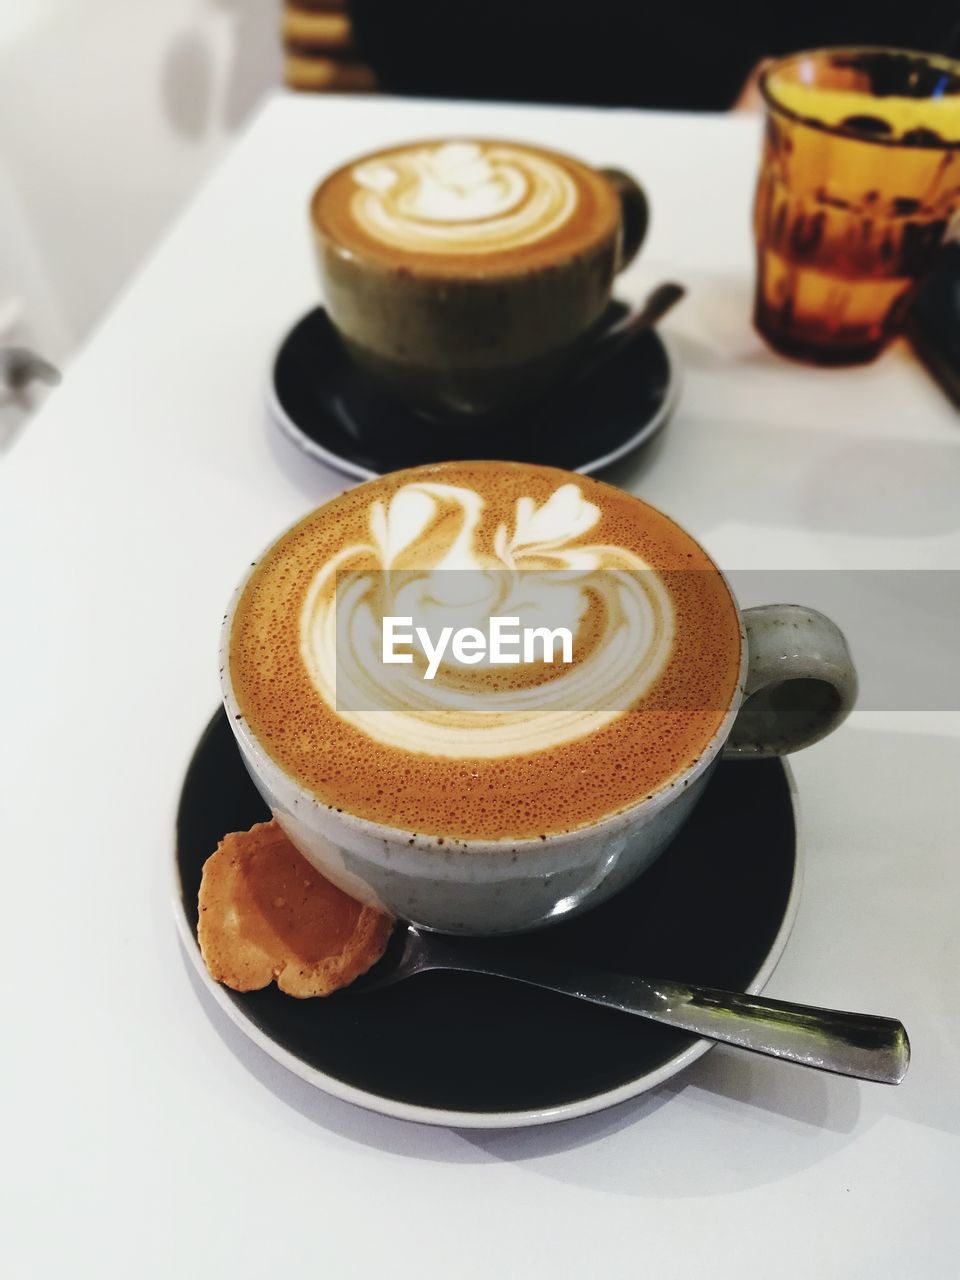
(143, 1135)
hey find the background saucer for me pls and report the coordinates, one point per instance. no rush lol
(463, 1049)
(318, 399)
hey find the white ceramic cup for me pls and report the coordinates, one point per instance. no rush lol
(796, 683)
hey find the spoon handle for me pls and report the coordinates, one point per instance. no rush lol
(610, 344)
(850, 1044)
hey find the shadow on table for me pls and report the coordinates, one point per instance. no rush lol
(719, 1085)
(732, 1123)
(732, 468)
(401, 1137)
(315, 480)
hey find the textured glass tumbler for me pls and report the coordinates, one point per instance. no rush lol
(859, 187)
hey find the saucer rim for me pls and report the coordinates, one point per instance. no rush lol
(451, 1118)
(279, 417)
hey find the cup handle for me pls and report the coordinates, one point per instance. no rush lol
(634, 216)
(800, 683)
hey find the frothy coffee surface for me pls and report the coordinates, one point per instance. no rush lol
(492, 752)
(466, 206)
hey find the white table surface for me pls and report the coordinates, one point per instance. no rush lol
(143, 1135)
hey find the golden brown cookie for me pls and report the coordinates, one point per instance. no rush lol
(266, 914)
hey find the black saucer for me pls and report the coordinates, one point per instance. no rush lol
(467, 1050)
(330, 411)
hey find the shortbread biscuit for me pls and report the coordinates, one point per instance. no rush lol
(266, 915)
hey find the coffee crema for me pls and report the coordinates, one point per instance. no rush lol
(466, 207)
(511, 752)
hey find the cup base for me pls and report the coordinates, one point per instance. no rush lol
(825, 356)
(812, 344)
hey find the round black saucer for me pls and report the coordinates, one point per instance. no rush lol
(463, 1049)
(329, 410)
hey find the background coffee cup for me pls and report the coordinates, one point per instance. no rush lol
(796, 683)
(471, 343)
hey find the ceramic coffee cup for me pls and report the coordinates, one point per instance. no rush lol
(795, 682)
(464, 276)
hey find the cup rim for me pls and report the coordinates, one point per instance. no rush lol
(838, 131)
(652, 803)
(435, 270)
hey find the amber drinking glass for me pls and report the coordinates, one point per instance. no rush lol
(859, 187)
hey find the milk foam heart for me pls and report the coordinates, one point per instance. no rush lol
(488, 751)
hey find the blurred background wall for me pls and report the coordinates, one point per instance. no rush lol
(111, 111)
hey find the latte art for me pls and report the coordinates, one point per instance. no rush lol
(540, 568)
(467, 209)
(462, 197)
(480, 749)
